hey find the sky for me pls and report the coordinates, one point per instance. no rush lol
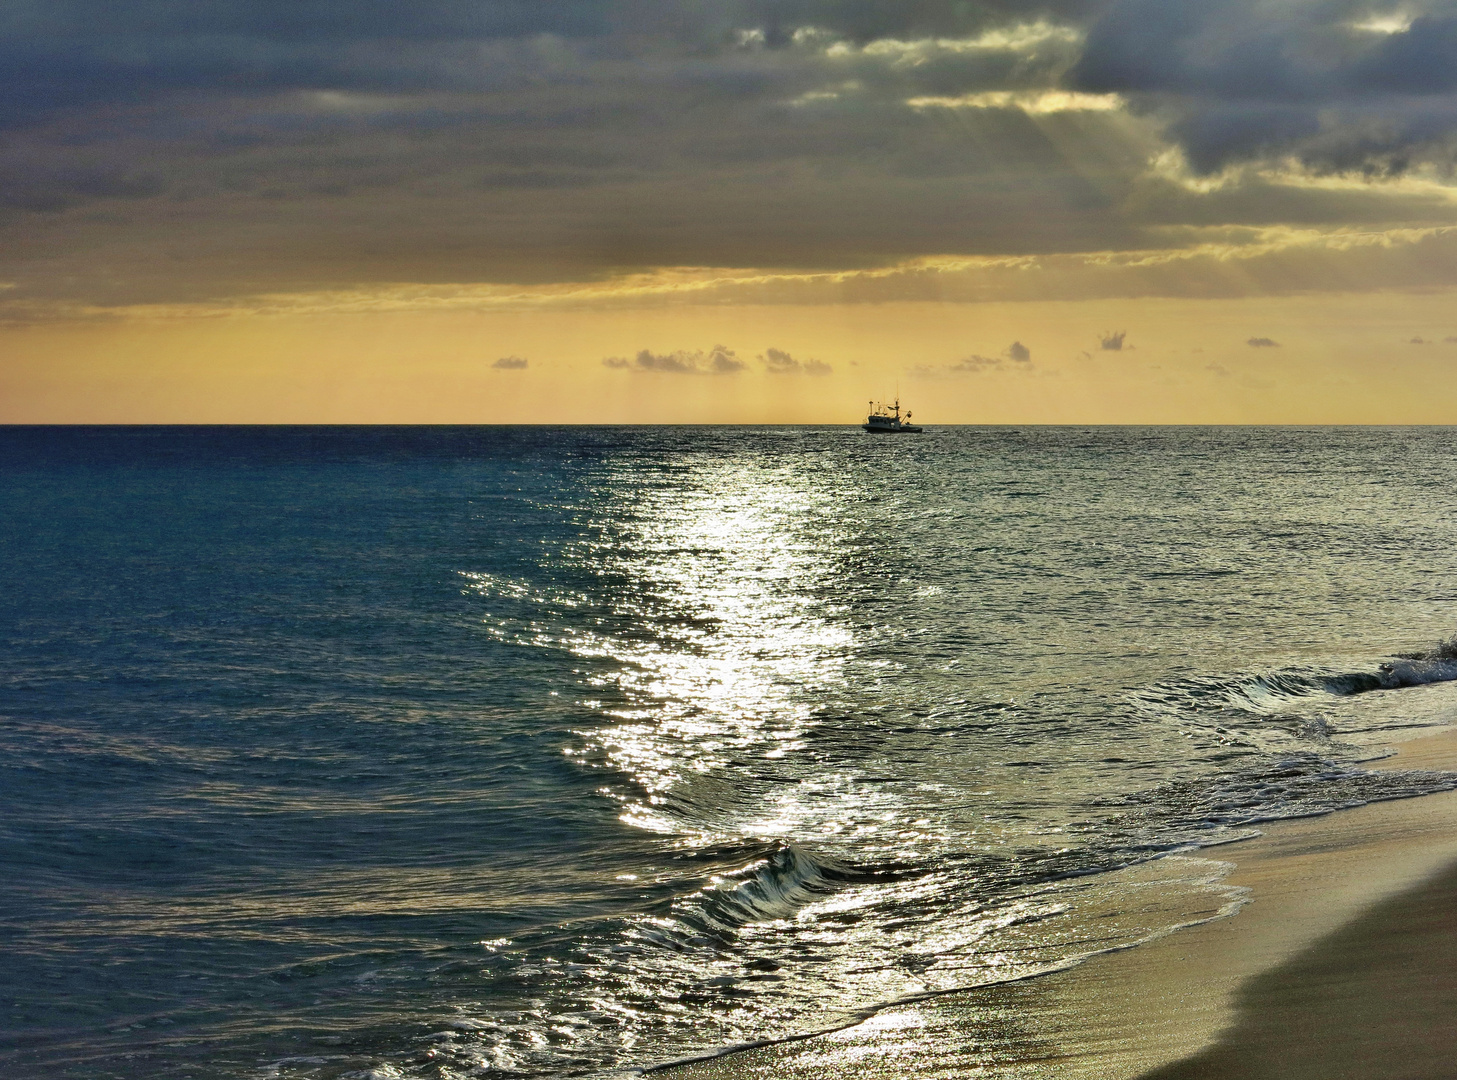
(727, 211)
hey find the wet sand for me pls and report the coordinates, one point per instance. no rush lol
(1343, 964)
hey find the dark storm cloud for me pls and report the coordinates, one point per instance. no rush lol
(168, 149)
(287, 147)
(61, 53)
(1339, 84)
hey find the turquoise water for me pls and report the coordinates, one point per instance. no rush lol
(448, 752)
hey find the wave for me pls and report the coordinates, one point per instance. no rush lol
(1437, 664)
(775, 885)
(1406, 672)
(1443, 650)
(1272, 691)
(1109, 896)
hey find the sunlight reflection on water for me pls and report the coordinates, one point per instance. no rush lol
(740, 583)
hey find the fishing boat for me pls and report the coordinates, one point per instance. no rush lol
(886, 420)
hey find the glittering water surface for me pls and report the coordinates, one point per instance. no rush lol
(552, 752)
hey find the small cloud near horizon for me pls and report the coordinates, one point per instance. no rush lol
(510, 363)
(719, 360)
(1015, 353)
(975, 362)
(1112, 340)
(779, 362)
(1263, 343)
(724, 361)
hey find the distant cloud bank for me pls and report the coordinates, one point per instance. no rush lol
(1015, 356)
(779, 362)
(719, 360)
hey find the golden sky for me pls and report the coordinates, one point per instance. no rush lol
(1137, 211)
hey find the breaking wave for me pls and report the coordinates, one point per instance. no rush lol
(1273, 691)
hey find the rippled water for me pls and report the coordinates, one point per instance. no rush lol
(545, 752)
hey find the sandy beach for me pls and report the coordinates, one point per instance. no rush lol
(1342, 964)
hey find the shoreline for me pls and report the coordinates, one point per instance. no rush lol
(1334, 901)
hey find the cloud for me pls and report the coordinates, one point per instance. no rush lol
(720, 360)
(257, 148)
(1212, 262)
(1112, 341)
(678, 363)
(723, 360)
(1240, 80)
(779, 362)
(975, 363)
(1015, 357)
(501, 140)
(1262, 343)
(1032, 103)
(514, 363)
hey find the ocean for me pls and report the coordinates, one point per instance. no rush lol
(563, 752)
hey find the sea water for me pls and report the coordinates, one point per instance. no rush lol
(528, 752)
